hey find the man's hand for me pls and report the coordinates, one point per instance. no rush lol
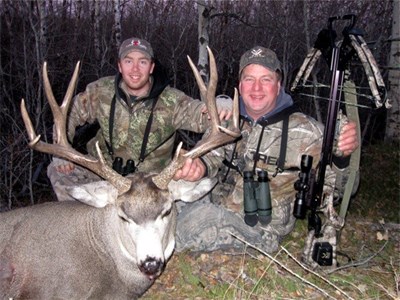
(224, 107)
(348, 141)
(224, 114)
(193, 170)
(66, 168)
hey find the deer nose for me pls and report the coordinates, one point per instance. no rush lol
(152, 267)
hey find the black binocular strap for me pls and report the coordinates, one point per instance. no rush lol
(228, 163)
(111, 126)
(280, 164)
(146, 132)
(282, 151)
(256, 155)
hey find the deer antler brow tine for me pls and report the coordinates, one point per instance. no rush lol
(33, 138)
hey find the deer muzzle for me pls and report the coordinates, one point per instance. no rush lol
(152, 267)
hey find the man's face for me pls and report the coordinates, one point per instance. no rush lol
(259, 88)
(136, 68)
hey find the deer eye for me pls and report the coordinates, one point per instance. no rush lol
(123, 218)
(167, 212)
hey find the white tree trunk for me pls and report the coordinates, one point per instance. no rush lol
(306, 17)
(203, 38)
(43, 28)
(117, 22)
(393, 117)
(96, 22)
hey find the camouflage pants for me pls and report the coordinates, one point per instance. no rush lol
(206, 226)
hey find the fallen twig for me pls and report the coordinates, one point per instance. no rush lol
(315, 273)
(380, 226)
(262, 275)
(396, 279)
(388, 293)
(284, 267)
(358, 263)
(237, 277)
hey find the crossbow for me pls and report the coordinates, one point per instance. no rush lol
(338, 55)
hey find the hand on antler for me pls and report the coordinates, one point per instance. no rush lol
(192, 170)
(224, 107)
(66, 168)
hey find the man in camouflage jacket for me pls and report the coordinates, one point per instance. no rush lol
(264, 107)
(141, 111)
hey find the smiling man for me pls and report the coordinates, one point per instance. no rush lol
(274, 137)
(138, 114)
(136, 66)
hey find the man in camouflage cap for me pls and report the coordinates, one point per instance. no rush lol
(266, 113)
(138, 114)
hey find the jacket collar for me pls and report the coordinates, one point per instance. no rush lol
(284, 104)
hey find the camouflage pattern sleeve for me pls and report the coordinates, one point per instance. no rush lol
(85, 104)
(188, 115)
(213, 161)
(214, 158)
(78, 114)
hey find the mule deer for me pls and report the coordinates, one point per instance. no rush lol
(112, 248)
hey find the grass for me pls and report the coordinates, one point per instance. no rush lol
(364, 240)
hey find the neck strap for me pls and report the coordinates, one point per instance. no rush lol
(146, 132)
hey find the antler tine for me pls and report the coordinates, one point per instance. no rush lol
(60, 112)
(218, 135)
(211, 90)
(208, 93)
(235, 112)
(61, 146)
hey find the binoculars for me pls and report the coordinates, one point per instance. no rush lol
(302, 186)
(123, 170)
(257, 199)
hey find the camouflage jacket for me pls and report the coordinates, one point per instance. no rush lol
(173, 110)
(305, 136)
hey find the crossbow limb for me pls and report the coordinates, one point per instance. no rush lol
(367, 59)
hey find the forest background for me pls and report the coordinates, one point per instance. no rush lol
(63, 32)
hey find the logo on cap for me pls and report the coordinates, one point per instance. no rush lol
(135, 43)
(256, 53)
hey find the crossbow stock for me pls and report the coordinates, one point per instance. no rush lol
(321, 249)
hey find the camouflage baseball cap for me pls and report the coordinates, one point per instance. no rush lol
(135, 44)
(261, 56)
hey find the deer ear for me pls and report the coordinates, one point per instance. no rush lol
(96, 194)
(188, 191)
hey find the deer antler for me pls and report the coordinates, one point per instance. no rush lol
(61, 146)
(218, 135)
